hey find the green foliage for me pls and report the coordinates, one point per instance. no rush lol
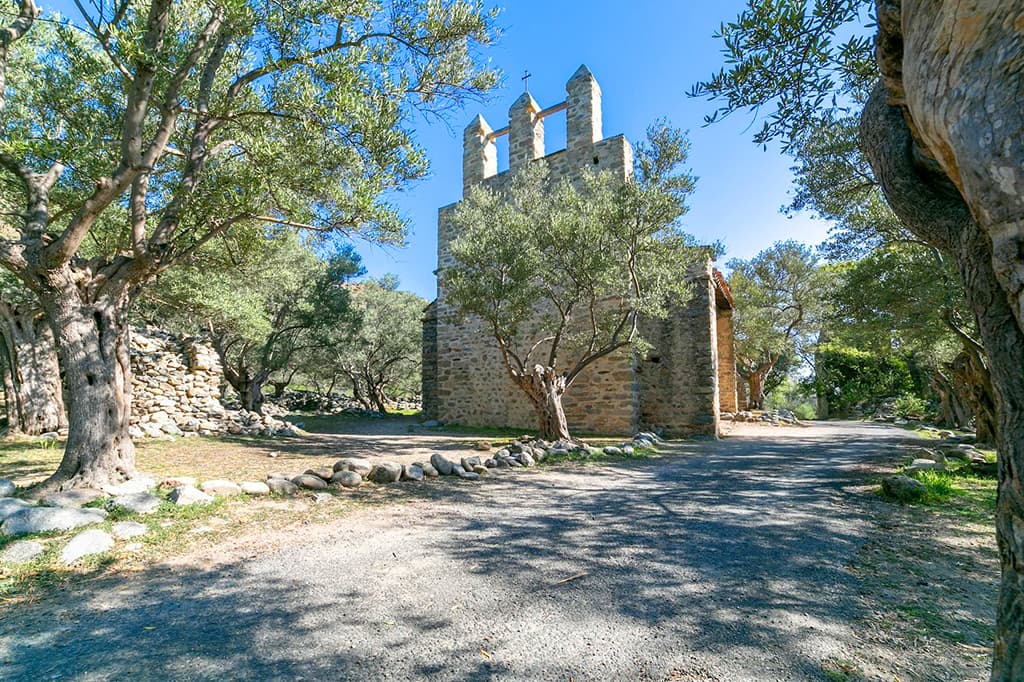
(378, 353)
(566, 270)
(795, 60)
(780, 296)
(849, 377)
(804, 411)
(911, 406)
(297, 114)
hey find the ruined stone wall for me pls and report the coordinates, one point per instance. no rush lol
(678, 378)
(176, 385)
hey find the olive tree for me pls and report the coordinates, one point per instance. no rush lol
(940, 124)
(561, 273)
(143, 129)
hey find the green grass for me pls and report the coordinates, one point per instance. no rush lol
(584, 456)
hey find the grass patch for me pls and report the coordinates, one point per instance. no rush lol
(841, 670)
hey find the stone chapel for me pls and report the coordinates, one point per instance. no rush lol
(679, 388)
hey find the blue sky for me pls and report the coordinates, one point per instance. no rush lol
(646, 55)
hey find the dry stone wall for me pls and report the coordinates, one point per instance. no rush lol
(176, 390)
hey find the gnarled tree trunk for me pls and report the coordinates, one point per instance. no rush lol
(972, 383)
(946, 189)
(755, 376)
(92, 340)
(544, 387)
(954, 411)
(31, 373)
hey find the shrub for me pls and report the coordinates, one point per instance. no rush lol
(911, 406)
(804, 411)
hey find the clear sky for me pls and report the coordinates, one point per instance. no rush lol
(645, 54)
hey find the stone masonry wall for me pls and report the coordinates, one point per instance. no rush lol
(465, 381)
(679, 377)
(726, 361)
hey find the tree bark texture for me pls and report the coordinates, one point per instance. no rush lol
(931, 205)
(32, 384)
(545, 387)
(93, 345)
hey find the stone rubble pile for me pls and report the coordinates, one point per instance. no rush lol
(773, 417)
(311, 401)
(176, 391)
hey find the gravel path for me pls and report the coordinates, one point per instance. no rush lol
(719, 561)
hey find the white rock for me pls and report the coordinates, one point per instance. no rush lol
(22, 552)
(255, 488)
(10, 505)
(74, 498)
(40, 519)
(128, 529)
(138, 503)
(7, 488)
(185, 495)
(85, 544)
(139, 484)
(220, 488)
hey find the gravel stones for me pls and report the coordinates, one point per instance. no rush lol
(41, 519)
(443, 465)
(386, 472)
(255, 488)
(7, 487)
(347, 479)
(412, 472)
(74, 498)
(221, 488)
(123, 530)
(360, 466)
(22, 552)
(184, 495)
(282, 486)
(137, 503)
(85, 544)
(310, 482)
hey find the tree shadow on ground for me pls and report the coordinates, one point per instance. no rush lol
(734, 553)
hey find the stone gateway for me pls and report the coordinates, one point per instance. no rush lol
(680, 387)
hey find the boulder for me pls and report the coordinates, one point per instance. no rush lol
(309, 482)
(137, 503)
(282, 486)
(429, 471)
(347, 479)
(74, 498)
(254, 488)
(7, 487)
(41, 519)
(10, 505)
(22, 552)
(184, 495)
(123, 530)
(526, 459)
(385, 472)
(320, 472)
(360, 466)
(85, 544)
(412, 472)
(503, 463)
(923, 465)
(175, 481)
(458, 470)
(481, 470)
(612, 451)
(139, 484)
(469, 475)
(490, 463)
(220, 488)
(483, 446)
(469, 462)
(903, 488)
(320, 498)
(443, 465)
